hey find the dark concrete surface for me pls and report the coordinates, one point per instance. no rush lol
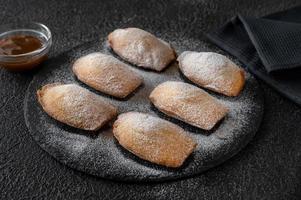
(268, 168)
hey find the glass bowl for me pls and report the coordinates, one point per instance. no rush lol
(30, 60)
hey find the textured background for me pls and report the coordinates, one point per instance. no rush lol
(268, 168)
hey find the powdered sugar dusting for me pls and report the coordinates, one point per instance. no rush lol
(153, 139)
(141, 48)
(76, 106)
(100, 154)
(107, 74)
(188, 103)
(210, 70)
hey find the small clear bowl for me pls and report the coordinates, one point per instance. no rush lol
(30, 60)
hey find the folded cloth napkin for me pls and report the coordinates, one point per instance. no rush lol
(269, 47)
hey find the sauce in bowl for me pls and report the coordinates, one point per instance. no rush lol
(19, 44)
(24, 48)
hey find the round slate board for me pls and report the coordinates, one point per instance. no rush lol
(100, 154)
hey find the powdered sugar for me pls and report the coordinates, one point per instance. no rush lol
(153, 139)
(100, 155)
(76, 106)
(213, 71)
(106, 74)
(188, 103)
(141, 48)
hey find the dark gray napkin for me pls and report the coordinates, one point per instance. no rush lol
(269, 47)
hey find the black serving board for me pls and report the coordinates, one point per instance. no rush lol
(100, 154)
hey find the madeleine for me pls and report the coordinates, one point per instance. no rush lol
(188, 103)
(106, 74)
(153, 139)
(212, 71)
(141, 48)
(75, 106)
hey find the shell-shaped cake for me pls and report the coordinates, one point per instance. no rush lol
(153, 139)
(188, 103)
(212, 71)
(75, 106)
(141, 48)
(106, 74)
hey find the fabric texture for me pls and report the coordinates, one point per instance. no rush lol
(269, 47)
